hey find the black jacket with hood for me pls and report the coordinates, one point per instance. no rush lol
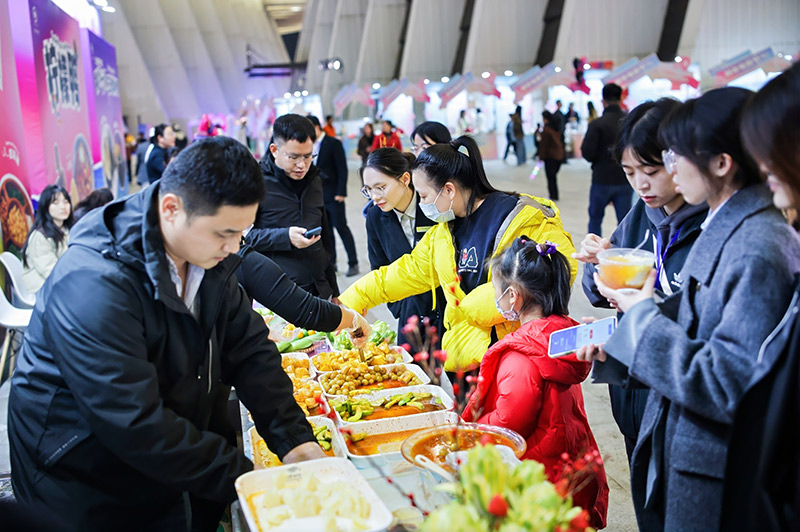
(311, 268)
(120, 394)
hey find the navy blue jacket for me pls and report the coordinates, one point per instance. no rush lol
(332, 164)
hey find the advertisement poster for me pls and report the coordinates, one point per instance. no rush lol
(105, 114)
(51, 62)
(16, 210)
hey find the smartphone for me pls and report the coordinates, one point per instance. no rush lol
(311, 233)
(567, 341)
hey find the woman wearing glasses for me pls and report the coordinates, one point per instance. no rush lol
(697, 350)
(476, 223)
(395, 223)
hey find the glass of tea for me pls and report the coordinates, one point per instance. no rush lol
(625, 268)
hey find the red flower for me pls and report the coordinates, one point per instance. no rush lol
(580, 521)
(498, 506)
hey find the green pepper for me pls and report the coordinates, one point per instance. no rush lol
(356, 416)
(406, 398)
(358, 437)
(319, 430)
(326, 446)
(416, 404)
(391, 403)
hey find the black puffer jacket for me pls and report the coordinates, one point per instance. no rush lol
(311, 267)
(118, 400)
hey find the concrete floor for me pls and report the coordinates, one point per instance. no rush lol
(574, 180)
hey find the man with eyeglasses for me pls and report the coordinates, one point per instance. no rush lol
(293, 205)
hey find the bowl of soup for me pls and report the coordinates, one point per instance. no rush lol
(624, 267)
(437, 442)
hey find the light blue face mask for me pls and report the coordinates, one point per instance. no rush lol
(433, 214)
(508, 315)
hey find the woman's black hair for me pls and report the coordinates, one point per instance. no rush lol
(639, 131)
(388, 161)
(158, 131)
(96, 198)
(172, 153)
(707, 126)
(444, 162)
(542, 279)
(435, 131)
(44, 223)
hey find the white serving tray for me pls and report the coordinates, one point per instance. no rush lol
(325, 470)
(404, 357)
(299, 355)
(337, 443)
(413, 368)
(437, 391)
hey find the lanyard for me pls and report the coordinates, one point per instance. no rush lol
(662, 255)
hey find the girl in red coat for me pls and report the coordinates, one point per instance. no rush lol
(520, 387)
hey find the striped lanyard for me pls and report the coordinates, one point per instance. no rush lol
(662, 255)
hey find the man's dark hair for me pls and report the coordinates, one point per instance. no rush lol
(612, 92)
(433, 131)
(293, 127)
(328, 118)
(314, 120)
(214, 172)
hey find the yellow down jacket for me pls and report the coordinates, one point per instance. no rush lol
(468, 318)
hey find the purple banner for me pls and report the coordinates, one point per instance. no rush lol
(632, 70)
(105, 113)
(742, 64)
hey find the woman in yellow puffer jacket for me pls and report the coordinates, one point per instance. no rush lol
(479, 224)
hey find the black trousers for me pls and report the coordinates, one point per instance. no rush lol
(336, 215)
(551, 168)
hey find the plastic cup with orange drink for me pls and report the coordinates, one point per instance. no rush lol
(625, 268)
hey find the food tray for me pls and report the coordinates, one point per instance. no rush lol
(325, 470)
(398, 424)
(405, 357)
(312, 373)
(413, 368)
(437, 391)
(337, 443)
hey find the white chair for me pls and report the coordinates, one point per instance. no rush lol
(13, 266)
(14, 320)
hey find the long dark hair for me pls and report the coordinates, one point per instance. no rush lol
(388, 161)
(44, 223)
(771, 127)
(435, 131)
(708, 126)
(444, 162)
(639, 131)
(97, 198)
(542, 278)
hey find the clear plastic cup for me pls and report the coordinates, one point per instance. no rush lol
(625, 268)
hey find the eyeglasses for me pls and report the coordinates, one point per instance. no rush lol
(670, 159)
(378, 191)
(295, 157)
(416, 149)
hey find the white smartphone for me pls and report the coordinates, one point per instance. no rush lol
(567, 341)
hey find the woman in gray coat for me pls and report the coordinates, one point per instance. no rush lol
(696, 349)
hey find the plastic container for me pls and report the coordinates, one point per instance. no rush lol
(416, 370)
(437, 391)
(250, 485)
(337, 443)
(625, 268)
(312, 373)
(390, 452)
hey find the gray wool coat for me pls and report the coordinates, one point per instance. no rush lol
(697, 351)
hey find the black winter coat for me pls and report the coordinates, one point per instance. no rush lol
(311, 268)
(332, 164)
(120, 394)
(597, 144)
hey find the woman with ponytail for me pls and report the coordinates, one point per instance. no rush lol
(520, 387)
(478, 223)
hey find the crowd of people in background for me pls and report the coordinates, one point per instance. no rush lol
(703, 369)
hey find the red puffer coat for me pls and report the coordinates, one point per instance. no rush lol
(540, 397)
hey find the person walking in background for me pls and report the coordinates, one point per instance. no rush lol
(480, 122)
(328, 128)
(162, 140)
(551, 152)
(388, 137)
(510, 137)
(332, 163)
(365, 142)
(572, 115)
(519, 135)
(609, 184)
(462, 126)
(591, 113)
(47, 239)
(143, 146)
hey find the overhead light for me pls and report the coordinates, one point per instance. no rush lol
(109, 9)
(558, 69)
(485, 75)
(304, 93)
(336, 64)
(295, 9)
(376, 86)
(678, 59)
(508, 73)
(333, 63)
(296, 94)
(587, 66)
(445, 79)
(426, 81)
(287, 95)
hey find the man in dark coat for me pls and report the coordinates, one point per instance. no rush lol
(292, 205)
(609, 184)
(118, 405)
(332, 163)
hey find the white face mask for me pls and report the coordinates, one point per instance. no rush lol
(510, 314)
(432, 212)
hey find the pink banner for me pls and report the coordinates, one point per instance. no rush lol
(453, 87)
(741, 65)
(419, 91)
(16, 210)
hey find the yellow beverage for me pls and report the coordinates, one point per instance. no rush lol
(625, 267)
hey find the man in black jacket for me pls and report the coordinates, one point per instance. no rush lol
(292, 205)
(609, 184)
(332, 163)
(118, 405)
